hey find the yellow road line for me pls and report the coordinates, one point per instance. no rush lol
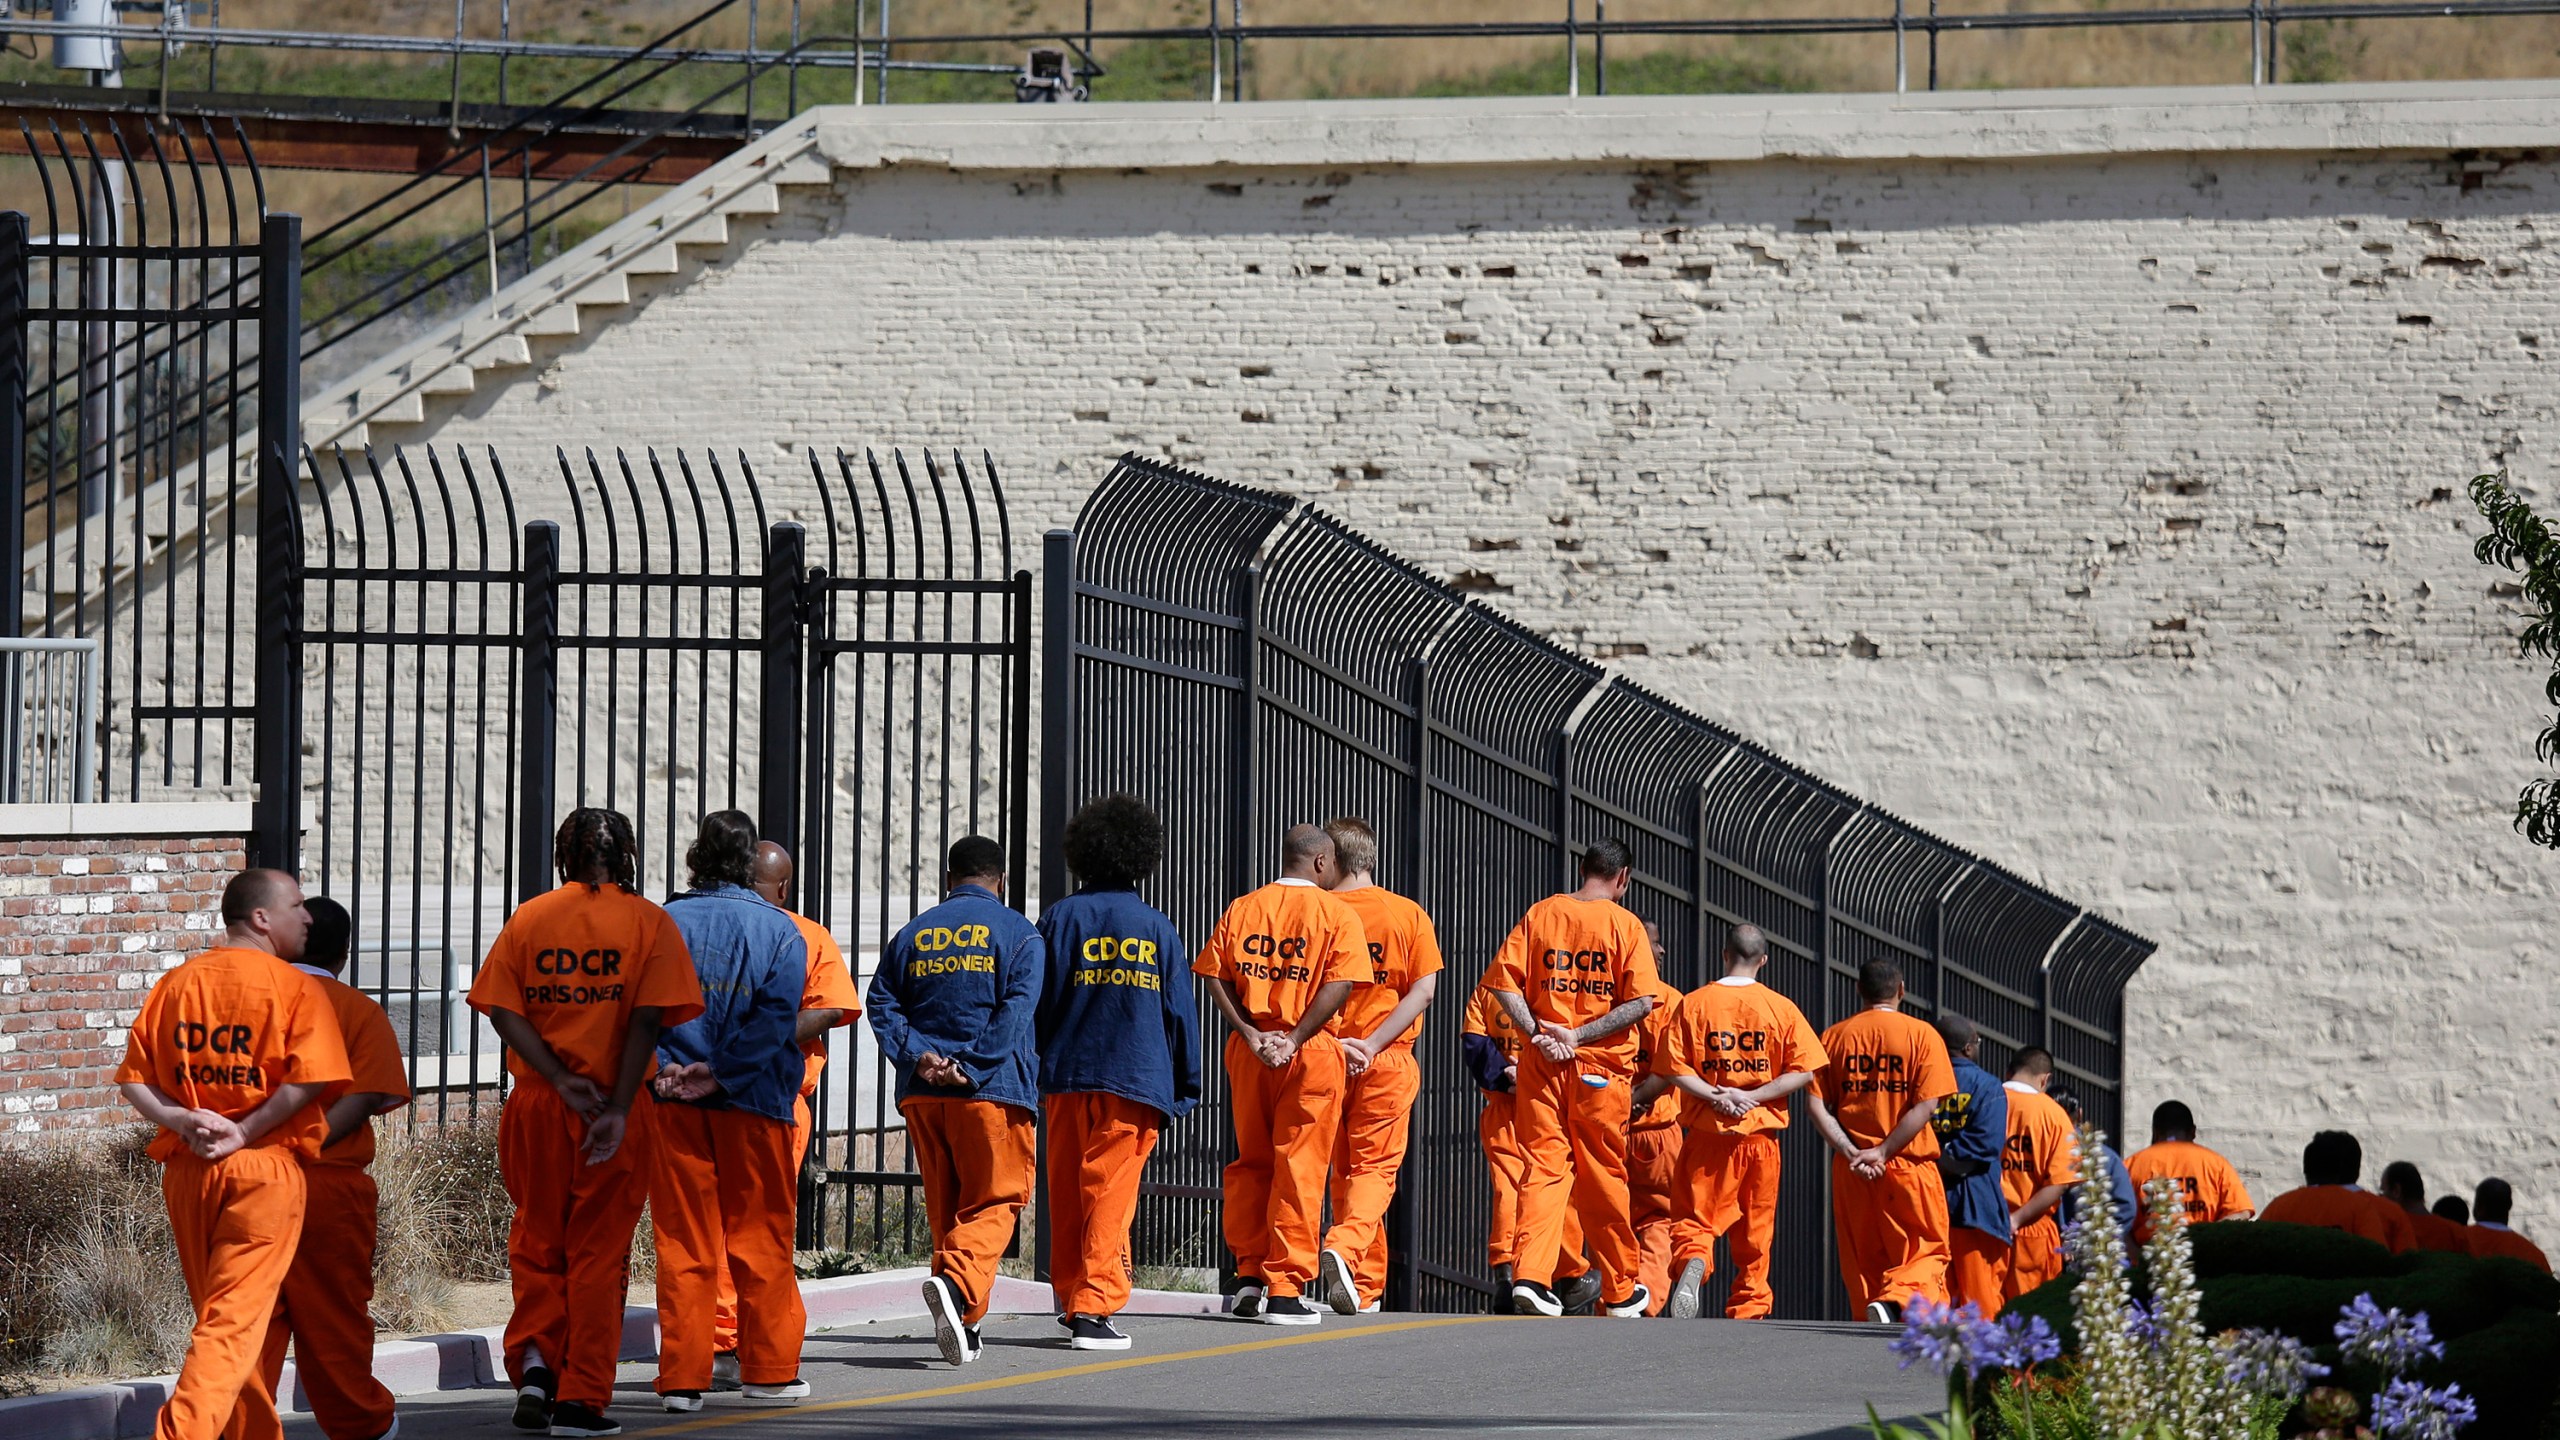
(1067, 1372)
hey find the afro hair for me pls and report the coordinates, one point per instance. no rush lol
(1114, 842)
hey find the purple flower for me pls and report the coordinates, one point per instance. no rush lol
(2385, 1339)
(2018, 1342)
(2140, 1326)
(2407, 1410)
(2268, 1365)
(1950, 1340)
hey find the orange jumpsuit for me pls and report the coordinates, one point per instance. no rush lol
(1893, 1230)
(1653, 1163)
(223, 1032)
(2212, 1187)
(1278, 946)
(326, 1308)
(2345, 1207)
(830, 988)
(1369, 1149)
(1573, 961)
(1741, 1035)
(2487, 1240)
(575, 962)
(2043, 1149)
(1497, 1129)
(2437, 1233)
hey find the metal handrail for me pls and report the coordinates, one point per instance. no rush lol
(18, 766)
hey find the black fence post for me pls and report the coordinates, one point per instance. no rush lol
(1404, 1230)
(13, 466)
(1018, 759)
(811, 860)
(1057, 709)
(1247, 756)
(276, 744)
(778, 797)
(538, 637)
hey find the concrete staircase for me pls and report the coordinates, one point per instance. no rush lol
(387, 402)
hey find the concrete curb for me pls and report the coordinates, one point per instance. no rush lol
(469, 1359)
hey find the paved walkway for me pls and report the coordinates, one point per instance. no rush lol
(1372, 1376)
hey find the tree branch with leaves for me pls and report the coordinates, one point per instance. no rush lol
(2521, 541)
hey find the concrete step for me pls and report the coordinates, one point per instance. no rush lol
(754, 200)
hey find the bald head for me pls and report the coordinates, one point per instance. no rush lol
(1307, 853)
(1962, 1039)
(1745, 951)
(770, 875)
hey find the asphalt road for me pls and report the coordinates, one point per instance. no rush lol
(1370, 1376)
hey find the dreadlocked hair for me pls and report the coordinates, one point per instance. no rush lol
(725, 852)
(597, 846)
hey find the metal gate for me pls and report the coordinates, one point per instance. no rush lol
(480, 651)
(147, 388)
(1245, 663)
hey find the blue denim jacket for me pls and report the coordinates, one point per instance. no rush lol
(963, 981)
(1973, 1126)
(1117, 1012)
(754, 968)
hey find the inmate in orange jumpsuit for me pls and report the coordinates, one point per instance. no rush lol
(1498, 1130)
(1741, 1035)
(1369, 1149)
(2345, 1207)
(223, 1032)
(2439, 1234)
(1278, 946)
(575, 963)
(830, 988)
(327, 1304)
(1653, 1163)
(2212, 1187)
(2043, 1149)
(2487, 1239)
(1573, 961)
(1893, 1231)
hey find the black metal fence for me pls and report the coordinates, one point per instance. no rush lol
(1245, 663)
(140, 338)
(481, 651)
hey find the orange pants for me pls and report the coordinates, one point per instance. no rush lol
(724, 1193)
(1893, 1231)
(976, 1159)
(1729, 1187)
(1653, 1180)
(1274, 1191)
(724, 1310)
(1574, 1140)
(237, 1222)
(1977, 1269)
(326, 1309)
(1098, 1149)
(1497, 1126)
(569, 1250)
(2034, 1258)
(1368, 1151)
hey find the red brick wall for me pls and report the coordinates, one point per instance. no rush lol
(86, 924)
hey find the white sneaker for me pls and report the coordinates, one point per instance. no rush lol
(1633, 1307)
(943, 1304)
(681, 1402)
(1341, 1291)
(789, 1392)
(1686, 1299)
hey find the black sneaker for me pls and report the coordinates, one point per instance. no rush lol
(680, 1402)
(1093, 1332)
(1685, 1291)
(943, 1304)
(577, 1422)
(1289, 1310)
(1341, 1290)
(976, 1344)
(1528, 1297)
(724, 1372)
(533, 1400)
(1576, 1292)
(1884, 1312)
(1638, 1301)
(1249, 1298)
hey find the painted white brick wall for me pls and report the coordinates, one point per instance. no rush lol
(2103, 514)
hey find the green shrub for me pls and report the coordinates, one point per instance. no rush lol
(2260, 1247)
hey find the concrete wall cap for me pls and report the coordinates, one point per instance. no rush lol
(169, 817)
(1692, 129)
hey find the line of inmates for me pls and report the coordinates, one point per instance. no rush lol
(665, 1057)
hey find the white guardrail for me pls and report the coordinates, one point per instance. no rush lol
(49, 699)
